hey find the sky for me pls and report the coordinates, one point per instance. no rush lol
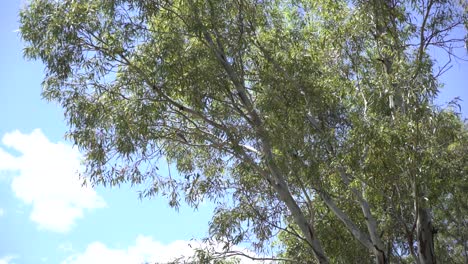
(46, 216)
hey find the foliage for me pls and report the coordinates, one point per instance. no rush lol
(314, 119)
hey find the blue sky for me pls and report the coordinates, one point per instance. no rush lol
(47, 217)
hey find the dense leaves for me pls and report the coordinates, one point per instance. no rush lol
(309, 124)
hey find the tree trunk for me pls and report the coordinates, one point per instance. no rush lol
(425, 237)
(377, 244)
(364, 239)
(307, 229)
(380, 257)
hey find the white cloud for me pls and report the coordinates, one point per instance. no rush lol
(47, 179)
(2, 212)
(144, 250)
(7, 259)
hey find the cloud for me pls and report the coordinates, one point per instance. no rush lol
(47, 179)
(2, 212)
(7, 259)
(145, 249)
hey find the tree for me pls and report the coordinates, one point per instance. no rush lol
(313, 118)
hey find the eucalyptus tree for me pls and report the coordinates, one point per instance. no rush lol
(312, 118)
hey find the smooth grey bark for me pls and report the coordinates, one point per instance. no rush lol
(276, 179)
(371, 223)
(425, 237)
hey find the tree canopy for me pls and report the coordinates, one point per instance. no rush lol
(310, 124)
